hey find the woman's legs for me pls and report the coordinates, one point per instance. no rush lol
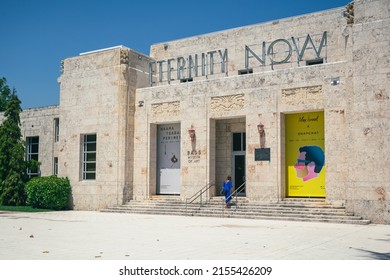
(227, 197)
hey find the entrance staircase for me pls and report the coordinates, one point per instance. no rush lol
(292, 209)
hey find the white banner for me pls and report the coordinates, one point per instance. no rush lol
(206, 269)
(168, 158)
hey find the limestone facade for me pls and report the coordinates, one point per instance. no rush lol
(222, 85)
(41, 123)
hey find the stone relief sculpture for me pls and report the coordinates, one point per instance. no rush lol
(302, 95)
(349, 13)
(166, 109)
(124, 56)
(227, 103)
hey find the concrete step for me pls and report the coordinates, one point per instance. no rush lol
(315, 210)
(232, 211)
(243, 206)
(321, 218)
(240, 207)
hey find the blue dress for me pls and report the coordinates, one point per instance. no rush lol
(227, 186)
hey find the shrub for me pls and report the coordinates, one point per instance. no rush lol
(48, 193)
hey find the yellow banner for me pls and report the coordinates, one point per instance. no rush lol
(305, 155)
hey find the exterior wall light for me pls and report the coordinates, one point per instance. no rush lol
(261, 131)
(191, 133)
(335, 81)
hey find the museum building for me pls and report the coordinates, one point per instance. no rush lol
(296, 107)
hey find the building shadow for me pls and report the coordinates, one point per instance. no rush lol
(376, 255)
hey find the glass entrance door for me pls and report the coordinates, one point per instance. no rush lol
(238, 162)
(239, 172)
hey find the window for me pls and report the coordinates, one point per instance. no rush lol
(245, 71)
(239, 141)
(56, 129)
(89, 157)
(33, 154)
(55, 166)
(186, 80)
(314, 61)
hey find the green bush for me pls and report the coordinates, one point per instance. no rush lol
(48, 193)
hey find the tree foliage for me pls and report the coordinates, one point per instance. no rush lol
(5, 94)
(13, 166)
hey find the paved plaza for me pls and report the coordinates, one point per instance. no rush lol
(84, 235)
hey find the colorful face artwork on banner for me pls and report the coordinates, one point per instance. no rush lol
(305, 155)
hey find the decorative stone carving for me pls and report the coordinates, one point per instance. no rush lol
(349, 13)
(166, 109)
(124, 56)
(302, 95)
(227, 103)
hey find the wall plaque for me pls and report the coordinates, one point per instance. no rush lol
(263, 154)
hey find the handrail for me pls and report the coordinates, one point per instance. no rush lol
(235, 194)
(199, 194)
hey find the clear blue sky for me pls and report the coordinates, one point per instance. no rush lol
(37, 34)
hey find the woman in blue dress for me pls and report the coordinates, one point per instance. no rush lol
(227, 186)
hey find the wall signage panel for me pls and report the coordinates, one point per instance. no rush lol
(305, 155)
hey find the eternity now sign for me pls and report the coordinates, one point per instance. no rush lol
(215, 62)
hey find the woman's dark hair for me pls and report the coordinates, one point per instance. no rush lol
(229, 178)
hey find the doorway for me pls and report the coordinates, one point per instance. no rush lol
(168, 159)
(228, 151)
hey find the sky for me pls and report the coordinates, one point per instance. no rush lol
(37, 34)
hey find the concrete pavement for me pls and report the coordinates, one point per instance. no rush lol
(85, 235)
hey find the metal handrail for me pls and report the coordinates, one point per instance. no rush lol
(235, 195)
(199, 194)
